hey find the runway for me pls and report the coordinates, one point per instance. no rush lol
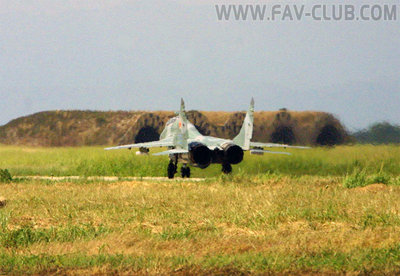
(110, 178)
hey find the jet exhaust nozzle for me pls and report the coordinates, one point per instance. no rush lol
(233, 154)
(199, 155)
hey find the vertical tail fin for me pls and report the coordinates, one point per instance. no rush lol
(182, 134)
(182, 110)
(246, 132)
(176, 126)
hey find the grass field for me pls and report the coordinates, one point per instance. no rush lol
(275, 214)
(94, 161)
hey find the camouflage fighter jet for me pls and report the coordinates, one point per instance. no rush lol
(187, 146)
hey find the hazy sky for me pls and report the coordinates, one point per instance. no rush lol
(145, 55)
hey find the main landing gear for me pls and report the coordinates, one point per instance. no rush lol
(226, 168)
(185, 171)
(173, 168)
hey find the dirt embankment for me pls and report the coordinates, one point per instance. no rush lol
(78, 128)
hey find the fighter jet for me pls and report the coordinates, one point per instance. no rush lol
(187, 146)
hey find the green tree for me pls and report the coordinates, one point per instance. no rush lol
(379, 133)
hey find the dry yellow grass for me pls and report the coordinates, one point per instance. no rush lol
(301, 218)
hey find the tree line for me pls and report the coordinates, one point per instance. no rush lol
(379, 133)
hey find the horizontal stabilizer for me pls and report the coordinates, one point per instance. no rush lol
(173, 151)
(161, 143)
(255, 151)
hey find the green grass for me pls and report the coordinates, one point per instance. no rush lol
(362, 260)
(28, 235)
(359, 178)
(93, 161)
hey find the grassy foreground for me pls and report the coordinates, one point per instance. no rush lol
(313, 212)
(262, 224)
(94, 161)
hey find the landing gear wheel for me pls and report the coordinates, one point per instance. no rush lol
(171, 170)
(185, 172)
(226, 168)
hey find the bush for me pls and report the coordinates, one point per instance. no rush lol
(395, 181)
(5, 176)
(356, 179)
(380, 178)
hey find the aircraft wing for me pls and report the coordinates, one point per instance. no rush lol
(173, 151)
(154, 144)
(272, 145)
